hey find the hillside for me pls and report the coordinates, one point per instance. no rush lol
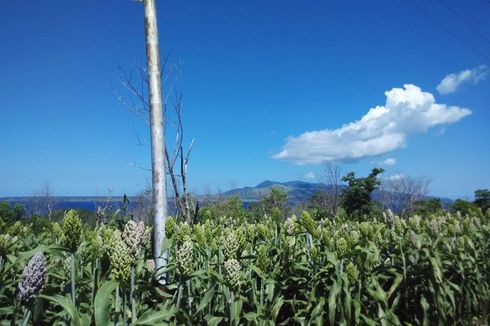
(298, 191)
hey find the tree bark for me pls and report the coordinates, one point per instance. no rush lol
(157, 138)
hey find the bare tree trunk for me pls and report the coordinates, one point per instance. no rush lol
(332, 175)
(157, 138)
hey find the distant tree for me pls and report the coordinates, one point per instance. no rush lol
(231, 207)
(482, 199)
(9, 213)
(176, 154)
(143, 206)
(401, 193)
(428, 206)
(274, 203)
(332, 178)
(320, 205)
(47, 199)
(356, 198)
(466, 207)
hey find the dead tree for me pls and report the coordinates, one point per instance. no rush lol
(157, 138)
(400, 193)
(48, 200)
(103, 209)
(183, 200)
(331, 177)
(176, 156)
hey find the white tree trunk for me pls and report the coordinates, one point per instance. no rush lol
(157, 138)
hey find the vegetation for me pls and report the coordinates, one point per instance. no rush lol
(428, 206)
(239, 270)
(356, 198)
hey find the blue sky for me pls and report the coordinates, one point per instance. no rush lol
(253, 74)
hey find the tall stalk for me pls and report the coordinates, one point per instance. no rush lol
(27, 316)
(95, 272)
(116, 318)
(124, 306)
(232, 312)
(131, 294)
(189, 296)
(179, 295)
(72, 272)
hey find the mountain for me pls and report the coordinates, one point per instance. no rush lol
(298, 191)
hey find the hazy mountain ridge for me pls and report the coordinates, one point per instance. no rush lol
(297, 191)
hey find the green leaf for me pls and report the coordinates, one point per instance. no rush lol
(277, 307)
(206, 299)
(213, 320)
(67, 305)
(152, 317)
(332, 301)
(6, 310)
(425, 307)
(369, 321)
(357, 311)
(318, 311)
(396, 283)
(237, 309)
(251, 316)
(101, 302)
(269, 288)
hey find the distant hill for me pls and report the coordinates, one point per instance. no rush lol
(88, 203)
(298, 191)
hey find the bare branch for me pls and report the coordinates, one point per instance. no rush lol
(134, 165)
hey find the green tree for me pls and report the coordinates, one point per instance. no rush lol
(466, 208)
(9, 213)
(319, 205)
(428, 206)
(482, 199)
(229, 207)
(274, 203)
(356, 198)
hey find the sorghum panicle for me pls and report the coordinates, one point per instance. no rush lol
(72, 230)
(232, 272)
(33, 278)
(184, 258)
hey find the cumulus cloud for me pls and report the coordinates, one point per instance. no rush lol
(395, 177)
(382, 129)
(310, 176)
(451, 82)
(389, 161)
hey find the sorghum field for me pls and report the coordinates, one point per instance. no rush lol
(384, 270)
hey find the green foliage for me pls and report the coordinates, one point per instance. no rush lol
(231, 207)
(427, 269)
(466, 208)
(482, 199)
(320, 204)
(428, 206)
(356, 198)
(274, 203)
(10, 213)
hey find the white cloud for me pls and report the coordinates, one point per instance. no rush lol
(389, 161)
(451, 82)
(407, 111)
(310, 176)
(395, 177)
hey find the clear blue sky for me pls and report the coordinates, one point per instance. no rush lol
(253, 74)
